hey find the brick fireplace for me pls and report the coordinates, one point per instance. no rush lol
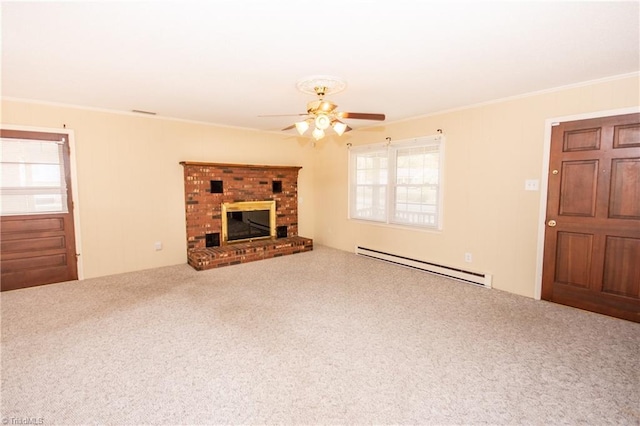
(211, 188)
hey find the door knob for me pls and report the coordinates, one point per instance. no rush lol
(552, 223)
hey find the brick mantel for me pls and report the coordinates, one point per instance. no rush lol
(235, 183)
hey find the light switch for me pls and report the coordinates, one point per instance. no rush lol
(531, 185)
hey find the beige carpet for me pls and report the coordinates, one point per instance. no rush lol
(324, 337)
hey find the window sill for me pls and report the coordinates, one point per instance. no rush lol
(397, 226)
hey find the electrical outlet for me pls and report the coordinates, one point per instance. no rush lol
(158, 245)
(468, 257)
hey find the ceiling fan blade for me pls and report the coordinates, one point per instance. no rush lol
(289, 127)
(362, 116)
(283, 115)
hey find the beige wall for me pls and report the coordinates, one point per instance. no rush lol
(131, 191)
(490, 151)
(130, 184)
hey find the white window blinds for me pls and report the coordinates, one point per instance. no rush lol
(32, 177)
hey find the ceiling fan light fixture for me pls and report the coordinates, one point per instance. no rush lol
(301, 127)
(318, 134)
(322, 114)
(339, 127)
(323, 121)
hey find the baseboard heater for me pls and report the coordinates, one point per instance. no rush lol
(458, 274)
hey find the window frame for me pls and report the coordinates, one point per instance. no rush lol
(391, 150)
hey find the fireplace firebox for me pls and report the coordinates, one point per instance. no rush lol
(248, 221)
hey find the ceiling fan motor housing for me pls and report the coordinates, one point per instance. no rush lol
(319, 106)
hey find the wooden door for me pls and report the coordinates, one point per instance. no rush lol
(39, 247)
(592, 239)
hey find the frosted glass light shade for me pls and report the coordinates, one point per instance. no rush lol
(339, 127)
(301, 127)
(318, 134)
(323, 121)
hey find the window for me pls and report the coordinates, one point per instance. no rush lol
(33, 177)
(398, 183)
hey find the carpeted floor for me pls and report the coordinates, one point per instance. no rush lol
(324, 337)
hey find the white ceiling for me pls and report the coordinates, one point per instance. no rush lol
(227, 62)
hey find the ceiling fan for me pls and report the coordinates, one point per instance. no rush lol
(322, 113)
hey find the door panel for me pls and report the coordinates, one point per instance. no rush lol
(582, 140)
(627, 136)
(573, 258)
(592, 239)
(27, 244)
(35, 223)
(622, 266)
(38, 248)
(578, 188)
(624, 202)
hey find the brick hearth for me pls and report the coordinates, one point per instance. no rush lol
(233, 254)
(208, 185)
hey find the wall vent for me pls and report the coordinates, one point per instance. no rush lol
(455, 273)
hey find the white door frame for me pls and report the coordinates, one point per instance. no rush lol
(544, 182)
(74, 183)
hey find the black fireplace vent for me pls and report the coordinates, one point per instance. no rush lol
(212, 240)
(216, 187)
(281, 231)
